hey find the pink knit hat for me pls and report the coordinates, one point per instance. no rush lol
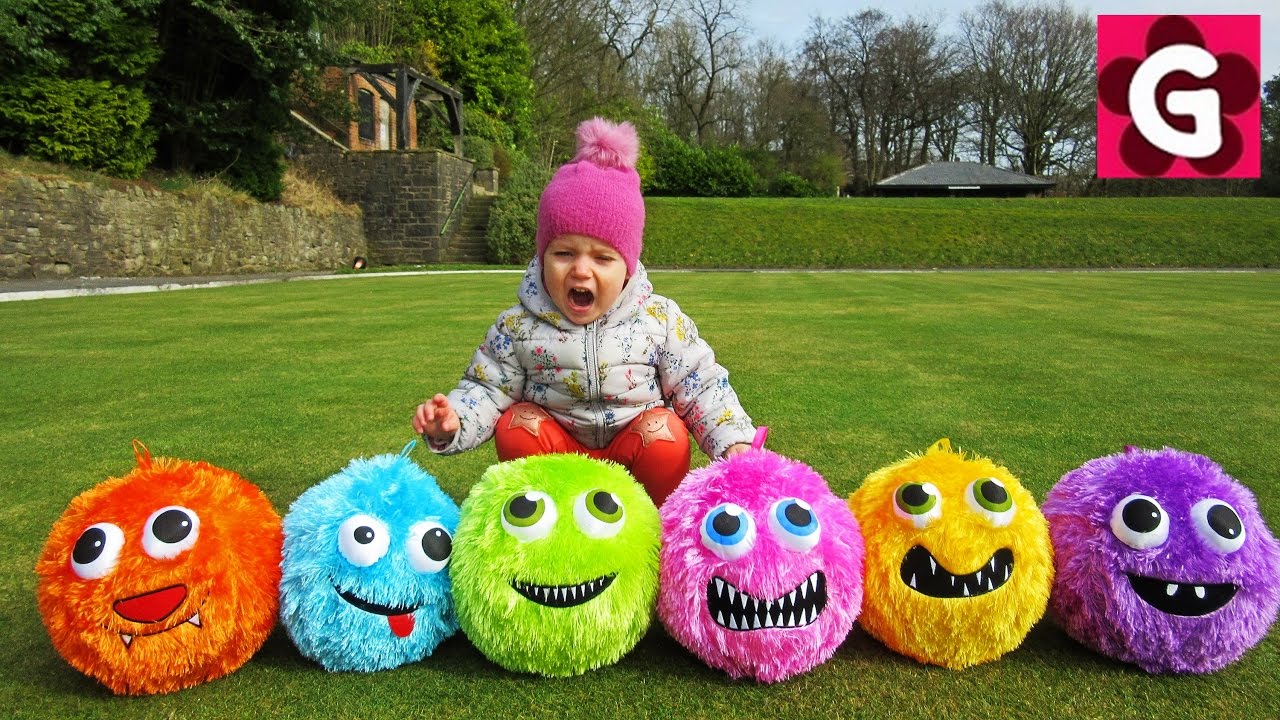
(597, 194)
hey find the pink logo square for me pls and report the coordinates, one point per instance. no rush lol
(1179, 96)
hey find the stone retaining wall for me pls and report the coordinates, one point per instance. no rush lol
(407, 197)
(63, 228)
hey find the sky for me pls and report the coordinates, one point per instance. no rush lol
(788, 20)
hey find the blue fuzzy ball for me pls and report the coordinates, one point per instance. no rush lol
(365, 579)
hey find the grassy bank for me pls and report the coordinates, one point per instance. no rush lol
(960, 232)
(285, 383)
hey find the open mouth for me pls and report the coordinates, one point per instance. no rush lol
(1185, 599)
(154, 607)
(924, 574)
(399, 617)
(581, 298)
(563, 596)
(738, 610)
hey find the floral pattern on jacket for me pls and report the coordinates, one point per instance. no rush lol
(595, 379)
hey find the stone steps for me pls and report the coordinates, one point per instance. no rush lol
(468, 244)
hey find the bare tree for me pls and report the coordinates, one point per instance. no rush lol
(695, 65)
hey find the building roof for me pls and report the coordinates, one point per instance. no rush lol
(963, 176)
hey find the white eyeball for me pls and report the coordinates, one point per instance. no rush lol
(529, 516)
(599, 513)
(1140, 522)
(1218, 524)
(363, 540)
(170, 531)
(728, 531)
(97, 551)
(918, 503)
(794, 524)
(429, 546)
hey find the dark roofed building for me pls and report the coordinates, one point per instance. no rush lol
(963, 178)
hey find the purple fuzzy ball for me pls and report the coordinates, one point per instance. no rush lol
(760, 572)
(1163, 561)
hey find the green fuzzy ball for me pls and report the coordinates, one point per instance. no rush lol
(555, 564)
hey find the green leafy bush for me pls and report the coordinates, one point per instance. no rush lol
(786, 184)
(674, 167)
(513, 221)
(82, 123)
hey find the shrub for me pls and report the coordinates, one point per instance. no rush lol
(513, 222)
(681, 169)
(82, 123)
(786, 184)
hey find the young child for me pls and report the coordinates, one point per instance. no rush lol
(591, 360)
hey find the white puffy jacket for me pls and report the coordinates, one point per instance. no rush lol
(595, 379)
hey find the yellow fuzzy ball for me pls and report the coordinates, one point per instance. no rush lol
(958, 563)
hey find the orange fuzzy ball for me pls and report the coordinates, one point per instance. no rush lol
(161, 579)
(958, 564)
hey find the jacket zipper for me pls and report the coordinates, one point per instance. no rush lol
(593, 385)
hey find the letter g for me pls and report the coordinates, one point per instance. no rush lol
(1204, 106)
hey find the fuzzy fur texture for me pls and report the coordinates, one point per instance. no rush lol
(197, 615)
(597, 194)
(961, 543)
(1094, 597)
(694, 577)
(385, 613)
(490, 563)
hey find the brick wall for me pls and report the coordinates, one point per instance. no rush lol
(406, 197)
(54, 228)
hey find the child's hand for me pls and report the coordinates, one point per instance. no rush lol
(737, 449)
(436, 419)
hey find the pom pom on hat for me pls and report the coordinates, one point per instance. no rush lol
(597, 194)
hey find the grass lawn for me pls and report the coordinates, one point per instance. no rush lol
(285, 383)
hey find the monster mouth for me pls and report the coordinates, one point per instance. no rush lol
(924, 574)
(399, 617)
(1184, 599)
(153, 607)
(563, 596)
(737, 610)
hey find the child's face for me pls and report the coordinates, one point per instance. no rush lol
(583, 276)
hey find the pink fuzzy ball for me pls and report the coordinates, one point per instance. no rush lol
(760, 572)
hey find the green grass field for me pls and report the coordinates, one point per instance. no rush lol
(285, 383)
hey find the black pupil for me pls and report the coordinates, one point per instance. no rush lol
(1225, 522)
(172, 526)
(725, 524)
(523, 507)
(364, 534)
(437, 544)
(1141, 515)
(90, 546)
(993, 493)
(797, 515)
(605, 503)
(914, 495)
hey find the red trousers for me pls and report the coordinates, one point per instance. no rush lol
(654, 447)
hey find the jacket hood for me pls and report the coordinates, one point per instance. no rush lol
(533, 295)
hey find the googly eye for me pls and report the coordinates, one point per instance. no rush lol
(1140, 522)
(170, 531)
(529, 516)
(794, 524)
(728, 531)
(428, 547)
(363, 539)
(920, 503)
(991, 499)
(97, 551)
(1219, 525)
(599, 513)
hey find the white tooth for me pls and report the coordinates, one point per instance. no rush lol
(719, 618)
(1200, 592)
(953, 581)
(719, 587)
(755, 622)
(768, 619)
(126, 639)
(573, 593)
(813, 580)
(546, 594)
(195, 620)
(979, 574)
(966, 589)
(813, 614)
(1171, 589)
(993, 563)
(989, 585)
(913, 581)
(804, 590)
(1007, 569)
(733, 593)
(933, 565)
(733, 623)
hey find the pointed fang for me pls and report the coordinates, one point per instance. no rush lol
(126, 639)
(195, 620)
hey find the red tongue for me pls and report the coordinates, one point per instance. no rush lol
(401, 625)
(153, 606)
